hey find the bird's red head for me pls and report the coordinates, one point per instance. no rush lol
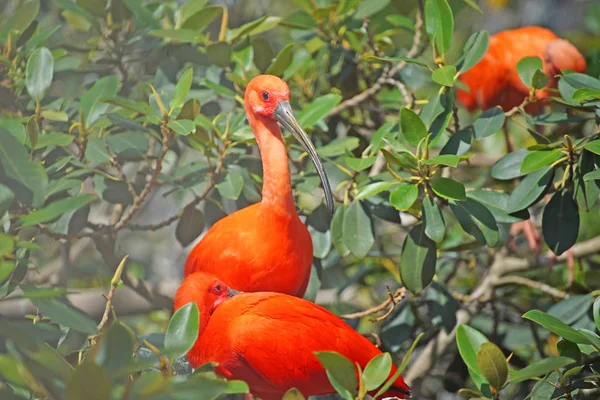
(263, 94)
(206, 291)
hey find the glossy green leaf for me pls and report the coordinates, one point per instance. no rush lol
(182, 331)
(448, 188)
(530, 189)
(418, 261)
(469, 342)
(293, 394)
(476, 220)
(374, 188)
(489, 122)
(596, 313)
(444, 159)
(404, 159)
(435, 227)
(475, 48)
(509, 166)
(459, 143)
(359, 164)
(92, 104)
(496, 203)
(404, 196)
(340, 371)
(188, 10)
(539, 368)
(182, 89)
(539, 159)
(338, 147)
(89, 381)
(201, 19)
(377, 371)
(182, 126)
(439, 23)
(116, 348)
(64, 314)
(318, 109)
(231, 187)
(583, 94)
(539, 79)
(492, 364)
(593, 146)
(55, 209)
(39, 72)
(282, 61)
(412, 126)
(444, 75)
(6, 198)
(556, 326)
(189, 226)
(22, 17)
(526, 68)
(585, 188)
(560, 222)
(219, 54)
(358, 231)
(337, 231)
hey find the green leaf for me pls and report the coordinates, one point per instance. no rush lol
(201, 19)
(338, 147)
(489, 122)
(38, 72)
(404, 159)
(141, 13)
(583, 94)
(116, 349)
(556, 326)
(448, 188)
(318, 109)
(404, 196)
(593, 146)
(526, 68)
(418, 261)
(182, 126)
(57, 208)
(377, 371)
(560, 222)
(475, 48)
(182, 89)
(231, 187)
(23, 16)
(444, 75)
(189, 226)
(476, 220)
(509, 166)
(32, 131)
(6, 198)
(337, 231)
(539, 80)
(182, 331)
(282, 61)
(358, 232)
(359, 164)
(89, 381)
(439, 23)
(444, 159)
(219, 54)
(6, 244)
(374, 188)
(340, 371)
(188, 10)
(596, 313)
(496, 203)
(539, 159)
(435, 227)
(538, 368)
(469, 342)
(492, 364)
(412, 126)
(530, 189)
(26, 178)
(459, 143)
(293, 394)
(92, 104)
(64, 314)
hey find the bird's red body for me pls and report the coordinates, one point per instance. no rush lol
(268, 339)
(263, 247)
(494, 81)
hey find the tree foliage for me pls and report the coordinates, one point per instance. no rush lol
(105, 104)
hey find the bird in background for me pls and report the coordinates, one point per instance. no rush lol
(494, 81)
(268, 339)
(265, 246)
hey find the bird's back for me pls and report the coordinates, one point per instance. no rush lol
(495, 81)
(256, 250)
(269, 340)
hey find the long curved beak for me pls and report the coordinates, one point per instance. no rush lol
(232, 292)
(283, 113)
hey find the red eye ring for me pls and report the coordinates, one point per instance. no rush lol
(265, 96)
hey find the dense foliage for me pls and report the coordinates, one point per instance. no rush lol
(105, 104)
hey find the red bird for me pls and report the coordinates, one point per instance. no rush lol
(265, 246)
(494, 80)
(268, 340)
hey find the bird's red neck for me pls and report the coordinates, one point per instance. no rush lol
(277, 188)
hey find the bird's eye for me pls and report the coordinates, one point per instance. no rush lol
(265, 96)
(218, 288)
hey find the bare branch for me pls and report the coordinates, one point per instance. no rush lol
(111, 292)
(520, 280)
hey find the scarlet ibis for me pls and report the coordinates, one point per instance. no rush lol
(494, 80)
(265, 246)
(268, 339)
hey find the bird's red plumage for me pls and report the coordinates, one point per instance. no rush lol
(263, 247)
(268, 340)
(495, 81)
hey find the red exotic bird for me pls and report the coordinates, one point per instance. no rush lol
(268, 339)
(494, 81)
(265, 246)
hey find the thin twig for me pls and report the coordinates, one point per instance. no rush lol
(119, 167)
(114, 282)
(519, 280)
(393, 299)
